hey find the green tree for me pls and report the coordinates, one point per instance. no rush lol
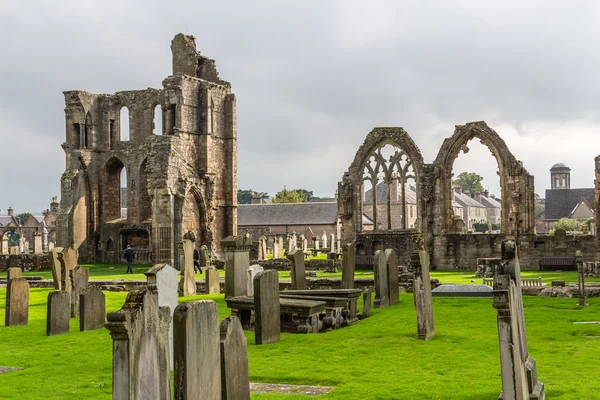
(244, 196)
(306, 195)
(22, 218)
(568, 224)
(469, 181)
(288, 196)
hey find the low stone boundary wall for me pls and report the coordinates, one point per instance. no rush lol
(27, 262)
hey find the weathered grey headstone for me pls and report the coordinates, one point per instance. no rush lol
(4, 244)
(56, 267)
(237, 261)
(422, 295)
(235, 384)
(17, 302)
(197, 351)
(37, 243)
(140, 334)
(280, 246)
(297, 272)
(163, 281)
(188, 276)
(581, 277)
(14, 272)
(79, 282)
(393, 286)
(380, 272)
(366, 308)
(212, 281)
(266, 307)
(349, 264)
(252, 271)
(519, 370)
(332, 243)
(262, 247)
(317, 244)
(304, 245)
(276, 248)
(92, 309)
(324, 240)
(58, 313)
(68, 261)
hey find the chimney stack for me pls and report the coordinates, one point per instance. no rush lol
(486, 193)
(10, 211)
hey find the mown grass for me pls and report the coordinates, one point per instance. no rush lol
(377, 358)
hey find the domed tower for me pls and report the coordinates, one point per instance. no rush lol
(560, 176)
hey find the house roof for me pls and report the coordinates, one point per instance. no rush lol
(6, 220)
(411, 195)
(488, 202)
(455, 204)
(287, 214)
(560, 202)
(560, 166)
(582, 203)
(467, 201)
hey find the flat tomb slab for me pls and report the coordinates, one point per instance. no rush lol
(330, 302)
(287, 306)
(289, 389)
(462, 291)
(345, 293)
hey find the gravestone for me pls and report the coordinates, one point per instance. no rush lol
(58, 313)
(518, 368)
(252, 271)
(92, 309)
(196, 340)
(332, 243)
(212, 281)
(14, 272)
(56, 267)
(4, 244)
(262, 247)
(349, 264)
(297, 272)
(294, 239)
(237, 261)
(317, 244)
(324, 240)
(422, 295)
(79, 282)
(581, 277)
(163, 282)
(25, 247)
(380, 273)
(205, 257)
(393, 285)
(37, 243)
(304, 244)
(188, 276)
(266, 307)
(235, 384)
(280, 246)
(140, 334)
(367, 301)
(68, 261)
(17, 302)
(276, 250)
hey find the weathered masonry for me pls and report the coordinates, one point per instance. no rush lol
(143, 167)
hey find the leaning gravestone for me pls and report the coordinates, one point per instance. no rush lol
(79, 282)
(197, 351)
(140, 334)
(266, 307)
(17, 302)
(92, 309)
(380, 272)
(252, 271)
(58, 313)
(422, 294)
(518, 368)
(235, 384)
(297, 272)
(56, 267)
(237, 261)
(212, 281)
(349, 264)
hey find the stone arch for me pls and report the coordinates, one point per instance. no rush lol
(86, 139)
(76, 117)
(157, 119)
(350, 201)
(194, 217)
(144, 199)
(110, 244)
(518, 201)
(111, 189)
(124, 124)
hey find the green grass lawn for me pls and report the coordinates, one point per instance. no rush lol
(377, 358)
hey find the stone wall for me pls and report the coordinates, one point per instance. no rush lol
(27, 262)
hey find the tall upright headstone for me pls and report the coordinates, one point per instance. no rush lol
(294, 239)
(349, 265)
(188, 276)
(304, 244)
(332, 248)
(380, 272)
(519, 370)
(262, 247)
(317, 244)
(196, 340)
(68, 261)
(17, 302)
(393, 286)
(324, 240)
(56, 267)
(266, 307)
(367, 301)
(235, 384)
(297, 272)
(237, 261)
(212, 282)
(163, 282)
(92, 309)
(37, 243)
(140, 334)
(581, 277)
(13, 272)
(252, 271)
(58, 312)
(4, 244)
(276, 249)
(280, 246)
(422, 295)
(79, 282)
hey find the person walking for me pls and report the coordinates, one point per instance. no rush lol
(197, 261)
(128, 256)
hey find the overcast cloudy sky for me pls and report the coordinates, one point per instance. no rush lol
(312, 78)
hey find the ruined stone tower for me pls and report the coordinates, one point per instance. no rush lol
(178, 147)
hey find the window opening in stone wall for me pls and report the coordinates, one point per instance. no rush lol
(477, 193)
(111, 190)
(77, 132)
(124, 122)
(111, 133)
(110, 245)
(157, 124)
(86, 139)
(123, 193)
(389, 187)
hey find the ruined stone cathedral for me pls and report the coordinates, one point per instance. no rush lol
(143, 167)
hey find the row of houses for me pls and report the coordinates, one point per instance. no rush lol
(44, 223)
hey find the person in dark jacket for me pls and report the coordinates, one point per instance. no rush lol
(197, 260)
(128, 256)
